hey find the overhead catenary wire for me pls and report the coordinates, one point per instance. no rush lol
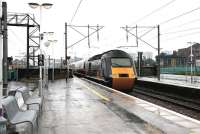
(178, 16)
(17, 36)
(174, 32)
(147, 32)
(149, 14)
(76, 11)
(180, 36)
(142, 40)
(181, 25)
(180, 31)
(178, 26)
(154, 11)
(84, 38)
(19, 48)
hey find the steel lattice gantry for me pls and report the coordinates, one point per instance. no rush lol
(33, 33)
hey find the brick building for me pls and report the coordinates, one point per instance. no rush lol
(180, 57)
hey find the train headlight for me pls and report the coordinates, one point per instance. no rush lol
(131, 75)
(114, 75)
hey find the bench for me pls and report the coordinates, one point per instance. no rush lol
(30, 100)
(15, 116)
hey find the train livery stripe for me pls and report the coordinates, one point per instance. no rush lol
(116, 71)
(95, 92)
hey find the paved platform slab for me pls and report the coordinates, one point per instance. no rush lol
(81, 106)
(171, 79)
(154, 116)
(74, 109)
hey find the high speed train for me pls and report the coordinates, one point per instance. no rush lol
(114, 67)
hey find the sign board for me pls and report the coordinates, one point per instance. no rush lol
(64, 62)
(68, 57)
(40, 60)
(198, 62)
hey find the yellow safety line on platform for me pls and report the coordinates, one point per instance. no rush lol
(95, 92)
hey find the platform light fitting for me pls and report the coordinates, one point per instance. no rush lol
(45, 5)
(33, 5)
(53, 41)
(48, 33)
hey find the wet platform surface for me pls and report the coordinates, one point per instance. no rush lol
(170, 79)
(82, 106)
(72, 108)
(69, 108)
(156, 119)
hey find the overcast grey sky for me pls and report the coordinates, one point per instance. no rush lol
(112, 14)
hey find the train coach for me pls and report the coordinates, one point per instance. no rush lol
(114, 67)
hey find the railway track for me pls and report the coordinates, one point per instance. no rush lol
(174, 99)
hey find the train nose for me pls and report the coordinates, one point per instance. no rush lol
(123, 78)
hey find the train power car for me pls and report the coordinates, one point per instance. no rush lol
(114, 67)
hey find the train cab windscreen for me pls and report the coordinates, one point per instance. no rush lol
(120, 62)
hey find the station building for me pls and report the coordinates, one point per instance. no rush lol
(179, 61)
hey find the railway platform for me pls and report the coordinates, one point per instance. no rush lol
(76, 108)
(82, 106)
(184, 81)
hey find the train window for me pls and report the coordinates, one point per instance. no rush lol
(121, 62)
(103, 67)
(90, 64)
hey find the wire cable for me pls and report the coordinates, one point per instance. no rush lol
(76, 11)
(178, 16)
(184, 35)
(180, 31)
(181, 25)
(175, 32)
(168, 29)
(154, 11)
(17, 36)
(147, 32)
(149, 14)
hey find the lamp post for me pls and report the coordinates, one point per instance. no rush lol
(3, 121)
(191, 60)
(52, 42)
(46, 6)
(47, 43)
(1, 60)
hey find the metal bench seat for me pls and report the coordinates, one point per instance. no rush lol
(16, 116)
(28, 116)
(30, 100)
(34, 101)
